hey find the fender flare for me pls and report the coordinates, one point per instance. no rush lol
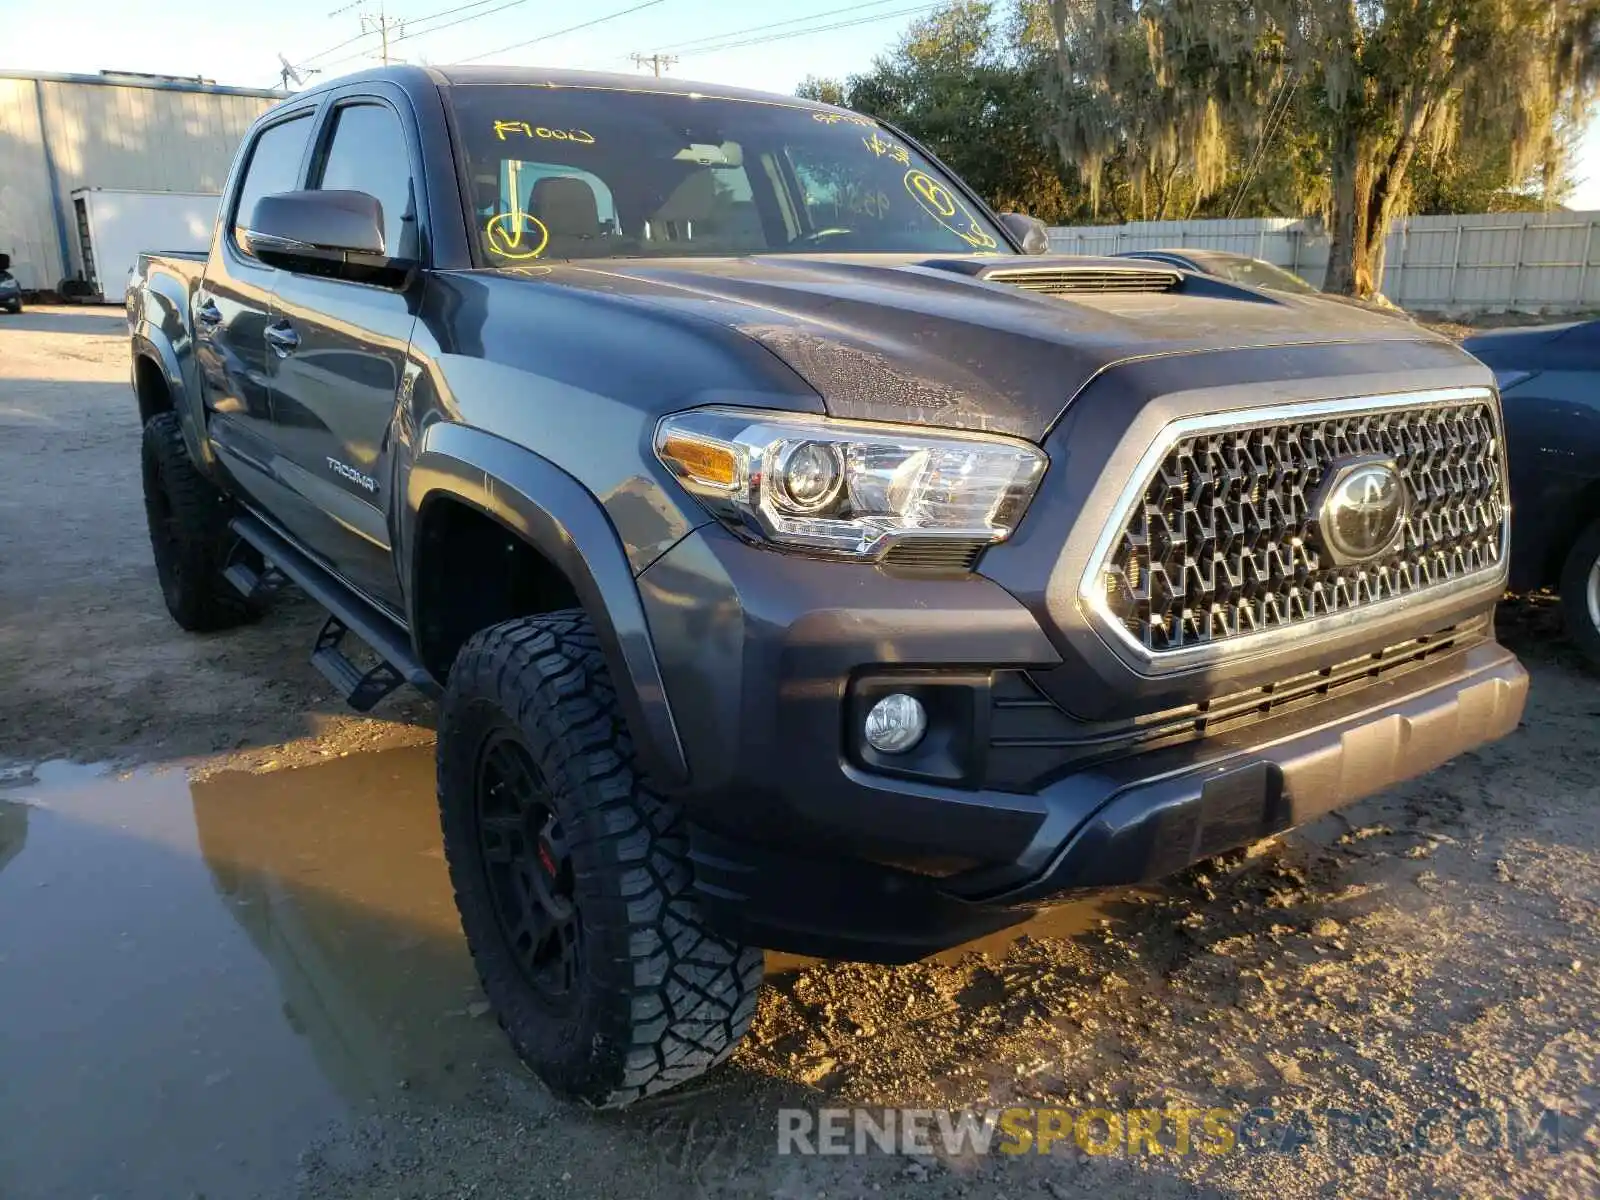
(150, 343)
(555, 514)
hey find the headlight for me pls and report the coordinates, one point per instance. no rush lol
(1509, 379)
(853, 488)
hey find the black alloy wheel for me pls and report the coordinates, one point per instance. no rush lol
(529, 869)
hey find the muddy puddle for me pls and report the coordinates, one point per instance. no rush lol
(198, 980)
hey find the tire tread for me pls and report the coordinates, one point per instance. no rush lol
(672, 998)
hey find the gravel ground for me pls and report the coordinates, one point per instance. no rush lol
(1435, 950)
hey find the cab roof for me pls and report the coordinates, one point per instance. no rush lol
(549, 77)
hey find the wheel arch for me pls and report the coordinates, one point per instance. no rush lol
(156, 364)
(552, 515)
(1579, 515)
(150, 387)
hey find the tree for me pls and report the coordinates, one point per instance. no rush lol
(1383, 85)
(824, 91)
(960, 83)
(1123, 111)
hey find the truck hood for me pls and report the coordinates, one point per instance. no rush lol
(917, 339)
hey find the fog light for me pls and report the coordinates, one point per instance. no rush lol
(896, 723)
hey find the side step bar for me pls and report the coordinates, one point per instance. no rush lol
(350, 613)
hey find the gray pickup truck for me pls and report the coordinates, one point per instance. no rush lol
(802, 556)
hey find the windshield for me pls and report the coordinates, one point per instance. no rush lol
(1254, 272)
(576, 172)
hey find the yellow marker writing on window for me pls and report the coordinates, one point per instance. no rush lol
(940, 203)
(884, 148)
(581, 136)
(829, 118)
(516, 235)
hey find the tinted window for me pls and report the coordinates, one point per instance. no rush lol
(274, 165)
(518, 180)
(368, 154)
(1253, 272)
(575, 173)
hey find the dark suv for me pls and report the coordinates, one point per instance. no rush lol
(800, 562)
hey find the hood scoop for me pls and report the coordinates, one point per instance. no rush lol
(1085, 280)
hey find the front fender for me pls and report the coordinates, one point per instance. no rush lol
(556, 515)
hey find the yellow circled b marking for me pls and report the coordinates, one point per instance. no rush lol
(504, 234)
(931, 193)
(940, 204)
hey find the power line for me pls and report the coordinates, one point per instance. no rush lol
(410, 29)
(446, 12)
(832, 12)
(545, 37)
(1277, 116)
(462, 20)
(311, 58)
(794, 33)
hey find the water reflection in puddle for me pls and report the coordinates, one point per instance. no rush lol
(197, 980)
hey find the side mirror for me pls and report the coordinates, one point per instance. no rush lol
(338, 233)
(1032, 235)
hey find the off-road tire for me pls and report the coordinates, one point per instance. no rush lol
(658, 998)
(189, 535)
(1577, 603)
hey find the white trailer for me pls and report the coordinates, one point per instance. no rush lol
(115, 226)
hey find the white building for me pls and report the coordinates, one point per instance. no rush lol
(59, 133)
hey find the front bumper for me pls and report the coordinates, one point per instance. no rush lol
(800, 846)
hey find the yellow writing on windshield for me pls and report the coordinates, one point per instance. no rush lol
(884, 148)
(829, 118)
(945, 207)
(516, 234)
(581, 136)
(867, 204)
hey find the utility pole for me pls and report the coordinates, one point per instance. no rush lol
(657, 62)
(381, 24)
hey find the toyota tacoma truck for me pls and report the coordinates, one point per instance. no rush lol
(802, 556)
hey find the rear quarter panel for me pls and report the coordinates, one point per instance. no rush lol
(159, 305)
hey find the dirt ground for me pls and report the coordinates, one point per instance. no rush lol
(1435, 950)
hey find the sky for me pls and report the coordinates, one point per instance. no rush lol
(165, 37)
(835, 38)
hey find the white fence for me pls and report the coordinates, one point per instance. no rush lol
(1537, 262)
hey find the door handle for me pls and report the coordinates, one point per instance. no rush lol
(208, 313)
(282, 338)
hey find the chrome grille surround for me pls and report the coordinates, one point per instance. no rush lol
(1210, 550)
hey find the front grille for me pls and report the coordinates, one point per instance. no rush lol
(1032, 739)
(1220, 541)
(1060, 281)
